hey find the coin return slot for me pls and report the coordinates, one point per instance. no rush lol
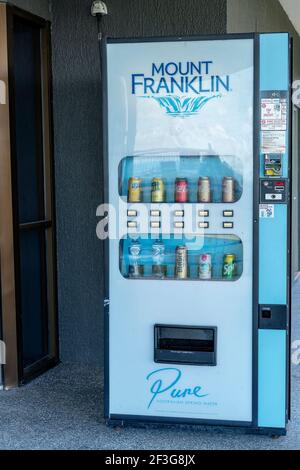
(179, 225)
(179, 213)
(155, 214)
(132, 224)
(204, 225)
(228, 225)
(228, 214)
(203, 213)
(186, 345)
(155, 224)
(132, 213)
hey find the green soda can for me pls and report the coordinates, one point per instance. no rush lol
(229, 267)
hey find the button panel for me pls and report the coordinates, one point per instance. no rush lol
(204, 225)
(274, 191)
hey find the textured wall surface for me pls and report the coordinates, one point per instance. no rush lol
(38, 7)
(261, 16)
(269, 16)
(77, 113)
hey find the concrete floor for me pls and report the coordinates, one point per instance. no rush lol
(63, 410)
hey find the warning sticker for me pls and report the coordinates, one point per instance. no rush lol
(266, 211)
(274, 113)
(274, 142)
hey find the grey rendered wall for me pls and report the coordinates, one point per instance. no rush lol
(77, 126)
(269, 16)
(37, 7)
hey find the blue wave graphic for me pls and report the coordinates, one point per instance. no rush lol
(184, 107)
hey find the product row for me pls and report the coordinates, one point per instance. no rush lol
(226, 190)
(180, 264)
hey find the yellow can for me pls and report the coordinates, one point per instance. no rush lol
(157, 190)
(135, 192)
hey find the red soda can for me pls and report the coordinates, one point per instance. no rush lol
(181, 191)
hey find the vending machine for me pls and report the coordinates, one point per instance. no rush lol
(198, 183)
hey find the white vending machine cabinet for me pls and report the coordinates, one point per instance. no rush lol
(197, 163)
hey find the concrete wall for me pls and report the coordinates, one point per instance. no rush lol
(269, 16)
(38, 7)
(77, 120)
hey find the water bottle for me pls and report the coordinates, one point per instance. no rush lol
(136, 269)
(159, 268)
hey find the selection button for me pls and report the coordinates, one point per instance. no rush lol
(131, 213)
(204, 225)
(228, 225)
(203, 213)
(228, 214)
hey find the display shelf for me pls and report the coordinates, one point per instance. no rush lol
(169, 168)
(217, 246)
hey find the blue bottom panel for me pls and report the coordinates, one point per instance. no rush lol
(272, 379)
(273, 258)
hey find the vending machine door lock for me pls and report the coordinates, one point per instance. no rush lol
(273, 317)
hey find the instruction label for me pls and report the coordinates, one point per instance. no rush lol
(274, 107)
(273, 142)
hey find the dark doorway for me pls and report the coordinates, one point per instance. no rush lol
(30, 107)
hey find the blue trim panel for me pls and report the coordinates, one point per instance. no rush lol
(274, 61)
(273, 258)
(272, 379)
(273, 261)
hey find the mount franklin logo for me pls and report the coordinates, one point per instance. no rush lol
(181, 89)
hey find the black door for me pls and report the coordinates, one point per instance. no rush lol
(33, 194)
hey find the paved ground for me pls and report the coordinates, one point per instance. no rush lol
(63, 410)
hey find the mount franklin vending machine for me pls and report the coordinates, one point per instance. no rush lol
(197, 176)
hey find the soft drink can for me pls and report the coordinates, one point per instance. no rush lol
(181, 191)
(158, 190)
(135, 193)
(181, 269)
(205, 267)
(229, 266)
(204, 190)
(228, 190)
